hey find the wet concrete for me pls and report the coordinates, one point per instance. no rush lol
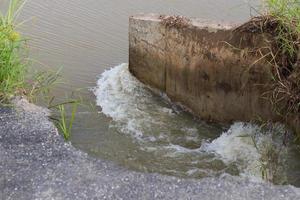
(36, 163)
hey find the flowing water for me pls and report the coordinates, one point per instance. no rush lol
(132, 125)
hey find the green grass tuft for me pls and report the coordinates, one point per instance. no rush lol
(13, 71)
(287, 13)
(12, 62)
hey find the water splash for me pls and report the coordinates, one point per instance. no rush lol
(164, 132)
(251, 148)
(137, 111)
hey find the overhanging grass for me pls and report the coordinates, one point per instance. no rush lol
(285, 55)
(280, 25)
(287, 13)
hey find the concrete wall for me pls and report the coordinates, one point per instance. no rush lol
(207, 67)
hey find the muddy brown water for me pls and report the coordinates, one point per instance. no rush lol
(137, 129)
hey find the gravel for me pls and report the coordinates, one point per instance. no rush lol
(36, 163)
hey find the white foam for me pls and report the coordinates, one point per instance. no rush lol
(118, 94)
(243, 143)
(235, 144)
(135, 109)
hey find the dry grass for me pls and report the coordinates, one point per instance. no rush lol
(280, 26)
(175, 21)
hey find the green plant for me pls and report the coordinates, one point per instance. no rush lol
(287, 11)
(12, 63)
(13, 68)
(64, 111)
(63, 122)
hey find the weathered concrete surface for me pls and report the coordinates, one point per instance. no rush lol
(35, 163)
(207, 67)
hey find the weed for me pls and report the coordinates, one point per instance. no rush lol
(64, 113)
(13, 68)
(40, 85)
(65, 125)
(12, 64)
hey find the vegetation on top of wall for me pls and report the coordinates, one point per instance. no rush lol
(280, 25)
(175, 21)
(285, 54)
